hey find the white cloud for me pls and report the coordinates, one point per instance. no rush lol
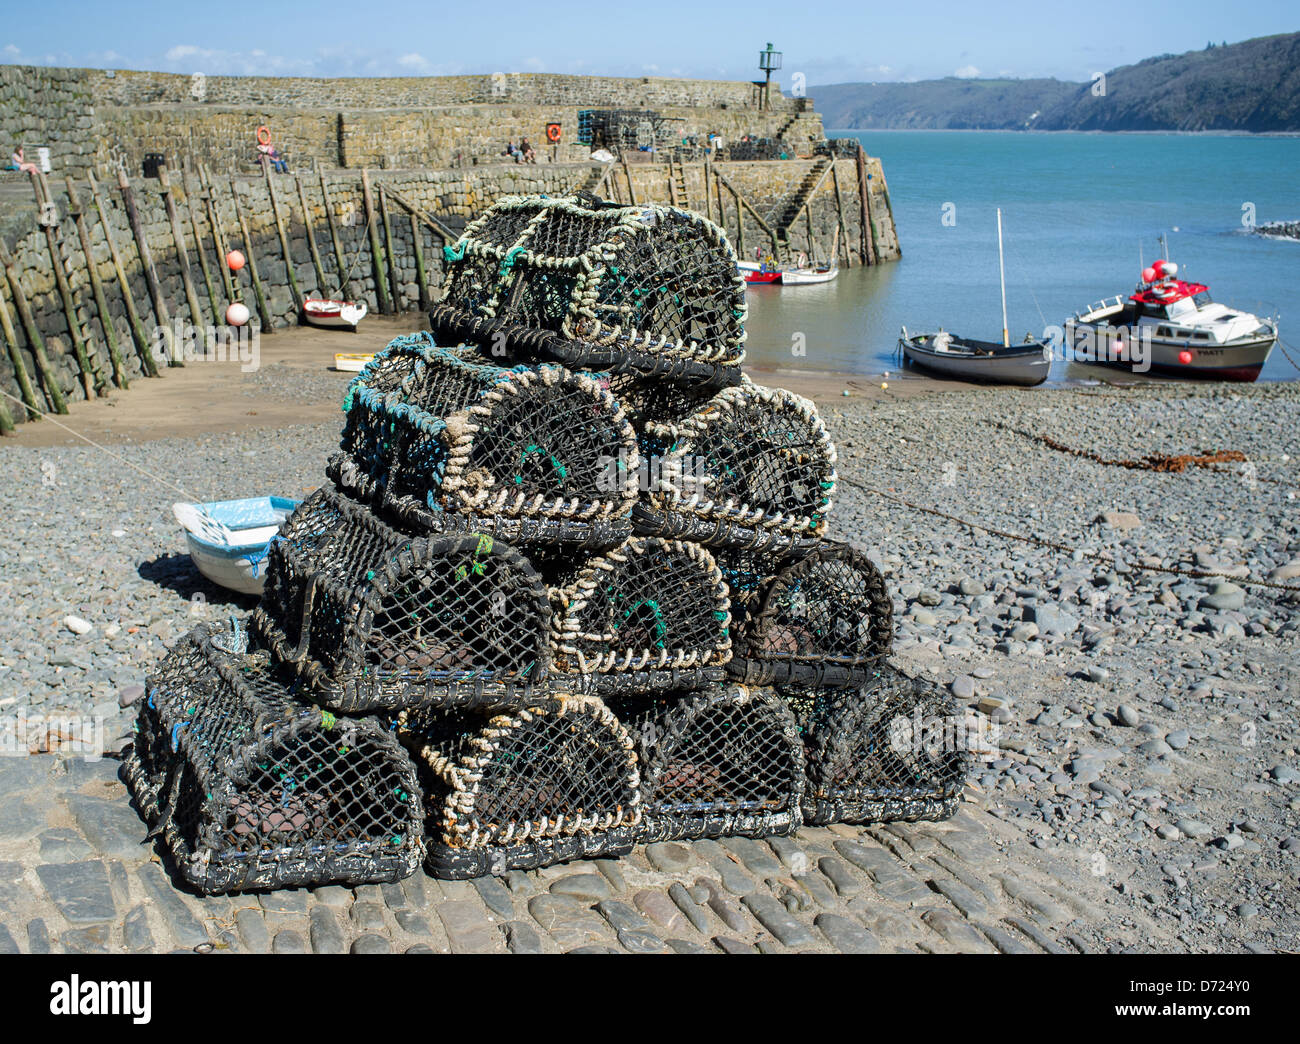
(12, 51)
(412, 61)
(181, 51)
(966, 72)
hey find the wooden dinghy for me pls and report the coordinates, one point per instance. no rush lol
(985, 361)
(333, 313)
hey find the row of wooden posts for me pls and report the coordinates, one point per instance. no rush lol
(714, 183)
(224, 285)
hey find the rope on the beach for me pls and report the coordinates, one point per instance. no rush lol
(1281, 344)
(91, 442)
(1057, 545)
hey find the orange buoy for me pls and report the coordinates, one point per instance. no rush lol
(264, 135)
(237, 314)
(234, 260)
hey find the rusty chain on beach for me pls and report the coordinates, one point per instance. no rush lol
(1059, 546)
(1160, 462)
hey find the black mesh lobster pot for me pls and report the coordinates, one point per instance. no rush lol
(445, 440)
(542, 785)
(754, 468)
(370, 618)
(719, 763)
(641, 289)
(650, 615)
(823, 621)
(896, 749)
(251, 789)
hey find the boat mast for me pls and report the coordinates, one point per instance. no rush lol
(1002, 275)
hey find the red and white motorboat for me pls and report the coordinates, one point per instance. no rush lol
(333, 313)
(1172, 327)
(759, 273)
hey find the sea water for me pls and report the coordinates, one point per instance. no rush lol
(1080, 214)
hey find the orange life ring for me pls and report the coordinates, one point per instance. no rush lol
(552, 132)
(264, 135)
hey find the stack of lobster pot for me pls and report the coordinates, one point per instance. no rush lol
(567, 590)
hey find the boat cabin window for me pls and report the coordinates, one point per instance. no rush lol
(1203, 298)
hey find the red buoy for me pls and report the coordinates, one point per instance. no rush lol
(235, 260)
(1185, 357)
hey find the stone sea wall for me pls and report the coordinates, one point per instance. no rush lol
(451, 196)
(95, 119)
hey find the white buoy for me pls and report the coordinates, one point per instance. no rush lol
(237, 314)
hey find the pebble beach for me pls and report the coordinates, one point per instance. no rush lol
(1145, 719)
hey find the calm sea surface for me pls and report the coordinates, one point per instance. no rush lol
(1076, 209)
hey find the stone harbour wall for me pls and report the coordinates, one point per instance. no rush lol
(451, 196)
(95, 119)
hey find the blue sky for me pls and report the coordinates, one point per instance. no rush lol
(832, 41)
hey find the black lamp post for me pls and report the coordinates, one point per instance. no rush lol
(767, 61)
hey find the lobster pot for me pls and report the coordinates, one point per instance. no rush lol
(748, 574)
(896, 749)
(720, 763)
(823, 621)
(753, 469)
(370, 618)
(651, 615)
(640, 289)
(447, 441)
(526, 789)
(250, 789)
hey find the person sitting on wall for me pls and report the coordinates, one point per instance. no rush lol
(19, 163)
(526, 151)
(274, 158)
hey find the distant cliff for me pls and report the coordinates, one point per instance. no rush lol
(1249, 86)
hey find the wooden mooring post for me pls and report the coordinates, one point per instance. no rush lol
(78, 214)
(218, 236)
(35, 342)
(161, 313)
(283, 233)
(91, 381)
(182, 250)
(840, 233)
(213, 301)
(376, 251)
(143, 345)
(394, 278)
(869, 254)
(340, 264)
(264, 313)
(24, 380)
(421, 280)
(307, 224)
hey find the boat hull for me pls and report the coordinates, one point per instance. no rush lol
(1024, 368)
(1232, 361)
(229, 540)
(807, 276)
(334, 314)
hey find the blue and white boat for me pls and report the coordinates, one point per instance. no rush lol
(230, 539)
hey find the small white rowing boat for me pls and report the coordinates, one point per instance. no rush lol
(230, 539)
(333, 313)
(810, 274)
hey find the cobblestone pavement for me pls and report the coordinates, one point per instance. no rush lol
(75, 877)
